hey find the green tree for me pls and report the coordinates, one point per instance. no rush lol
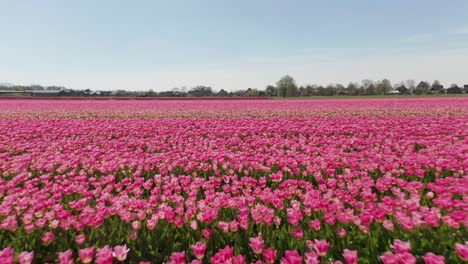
(271, 90)
(383, 86)
(286, 86)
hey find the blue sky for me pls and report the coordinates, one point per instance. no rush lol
(141, 45)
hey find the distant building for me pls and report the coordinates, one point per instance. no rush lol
(422, 88)
(454, 90)
(393, 92)
(222, 93)
(402, 89)
(437, 89)
(250, 92)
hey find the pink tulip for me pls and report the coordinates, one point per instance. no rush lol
(341, 232)
(321, 247)
(199, 250)
(120, 252)
(178, 257)
(312, 258)
(350, 256)
(291, 257)
(80, 239)
(104, 255)
(390, 258)
(431, 258)
(86, 255)
(48, 237)
(207, 233)
(65, 257)
(401, 246)
(406, 257)
(269, 255)
(256, 243)
(25, 257)
(462, 251)
(7, 255)
(298, 233)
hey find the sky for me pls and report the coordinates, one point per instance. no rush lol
(237, 44)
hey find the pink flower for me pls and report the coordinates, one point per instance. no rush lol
(104, 255)
(120, 252)
(194, 224)
(321, 247)
(86, 255)
(25, 257)
(178, 257)
(65, 257)
(341, 232)
(256, 243)
(312, 258)
(406, 258)
(80, 239)
(315, 224)
(390, 258)
(431, 258)
(269, 255)
(224, 255)
(136, 225)
(7, 255)
(298, 233)
(207, 233)
(291, 257)
(199, 250)
(388, 224)
(401, 246)
(48, 237)
(133, 235)
(430, 195)
(350, 256)
(9, 223)
(462, 251)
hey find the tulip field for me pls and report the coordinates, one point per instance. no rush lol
(234, 181)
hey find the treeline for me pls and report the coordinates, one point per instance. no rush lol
(285, 87)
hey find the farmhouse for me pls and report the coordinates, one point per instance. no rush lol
(422, 88)
(402, 89)
(222, 93)
(437, 89)
(454, 90)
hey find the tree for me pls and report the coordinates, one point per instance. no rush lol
(201, 90)
(383, 86)
(366, 83)
(410, 84)
(271, 90)
(371, 90)
(340, 89)
(352, 89)
(286, 86)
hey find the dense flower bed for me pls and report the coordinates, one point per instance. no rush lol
(267, 181)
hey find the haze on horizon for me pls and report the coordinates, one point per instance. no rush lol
(142, 45)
